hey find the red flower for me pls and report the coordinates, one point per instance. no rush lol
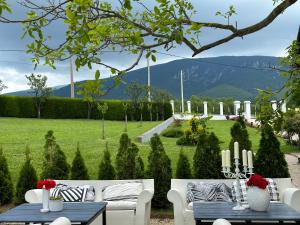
(257, 181)
(47, 184)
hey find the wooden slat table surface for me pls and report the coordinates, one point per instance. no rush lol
(83, 213)
(214, 210)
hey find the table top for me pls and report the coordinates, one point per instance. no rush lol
(75, 212)
(215, 210)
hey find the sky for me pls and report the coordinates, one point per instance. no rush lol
(271, 41)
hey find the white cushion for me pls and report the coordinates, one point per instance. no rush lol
(120, 205)
(125, 191)
(190, 206)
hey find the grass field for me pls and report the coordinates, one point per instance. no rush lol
(16, 133)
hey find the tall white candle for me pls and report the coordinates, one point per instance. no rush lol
(250, 161)
(236, 150)
(244, 152)
(223, 158)
(228, 163)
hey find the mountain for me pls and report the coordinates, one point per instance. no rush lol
(226, 76)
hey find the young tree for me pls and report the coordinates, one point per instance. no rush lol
(183, 169)
(240, 134)
(6, 185)
(78, 169)
(106, 169)
(27, 178)
(102, 108)
(124, 144)
(269, 160)
(207, 159)
(159, 168)
(55, 164)
(136, 93)
(2, 86)
(38, 85)
(125, 108)
(91, 90)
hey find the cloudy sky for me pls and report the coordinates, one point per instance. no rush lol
(271, 41)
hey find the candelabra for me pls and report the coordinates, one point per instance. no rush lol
(237, 174)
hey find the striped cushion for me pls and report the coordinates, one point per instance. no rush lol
(70, 194)
(272, 188)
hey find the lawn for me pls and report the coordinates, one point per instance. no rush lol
(16, 133)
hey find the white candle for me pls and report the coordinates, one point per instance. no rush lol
(228, 163)
(236, 150)
(223, 158)
(244, 152)
(250, 161)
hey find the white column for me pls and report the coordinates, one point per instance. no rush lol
(283, 106)
(221, 109)
(173, 106)
(274, 105)
(72, 79)
(205, 108)
(149, 80)
(247, 108)
(237, 106)
(181, 82)
(189, 107)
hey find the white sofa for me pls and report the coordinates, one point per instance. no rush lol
(183, 214)
(61, 221)
(117, 213)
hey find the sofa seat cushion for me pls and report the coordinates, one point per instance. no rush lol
(125, 191)
(120, 205)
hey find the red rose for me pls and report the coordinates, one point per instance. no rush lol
(47, 184)
(257, 181)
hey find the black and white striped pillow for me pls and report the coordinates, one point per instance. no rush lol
(70, 194)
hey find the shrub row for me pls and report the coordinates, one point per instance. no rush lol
(67, 108)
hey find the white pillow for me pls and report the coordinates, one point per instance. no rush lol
(124, 191)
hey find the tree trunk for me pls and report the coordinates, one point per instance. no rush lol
(125, 123)
(150, 116)
(103, 136)
(141, 120)
(89, 111)
(39, 112)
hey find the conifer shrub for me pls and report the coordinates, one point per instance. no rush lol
(27, 178)
(269, 160)
(159, 169)
(173, 132)
(240, 134)
(207, 159)
(78, 169)
(139, 168)
(55, 164)
(106, 169)
(183, 169)
(6, 185)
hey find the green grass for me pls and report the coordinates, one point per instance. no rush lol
(16, 133)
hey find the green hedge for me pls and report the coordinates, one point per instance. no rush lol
(67, 108)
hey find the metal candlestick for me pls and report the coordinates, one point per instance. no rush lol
(237, 175)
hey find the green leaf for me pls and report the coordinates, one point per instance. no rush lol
(127, 4)
(153, 58)
(97, 75)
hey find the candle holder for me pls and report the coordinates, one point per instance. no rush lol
(237, 175)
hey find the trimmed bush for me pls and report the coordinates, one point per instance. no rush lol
(183, 169)
(68, 108)
(6, 186)
(240, 134)
(78, 169)
(139, 168)
(207, 160)
(172, 132)
(55, 164)
(27, 179)
(106, 169)
(159, 169)
(269, 160)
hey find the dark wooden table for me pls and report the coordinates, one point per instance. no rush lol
(278, 212)
(83, 213)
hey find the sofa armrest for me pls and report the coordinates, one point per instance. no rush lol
(291, 197)
(143, 207)
(178, 204)
(34, 196)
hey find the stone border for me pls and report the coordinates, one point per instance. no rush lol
(145, 137)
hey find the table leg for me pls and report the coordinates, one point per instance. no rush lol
(104, 217)
(198, 222)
